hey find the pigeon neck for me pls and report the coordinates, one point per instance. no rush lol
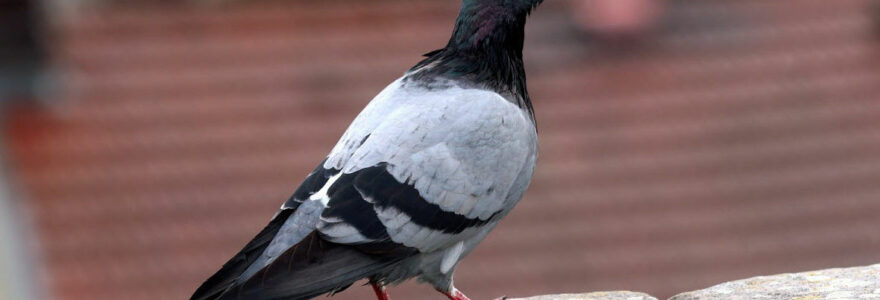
(490, 27)
(485, 50)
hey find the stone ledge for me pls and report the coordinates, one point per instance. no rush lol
(844, 283)
(848, 283)
(616, 295)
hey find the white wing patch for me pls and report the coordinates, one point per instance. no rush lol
(340, 232)
(321, 195)
(334, 229)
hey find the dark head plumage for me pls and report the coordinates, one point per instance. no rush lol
(483, 23)
(485, 49)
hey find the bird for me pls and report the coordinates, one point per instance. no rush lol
(424, 172)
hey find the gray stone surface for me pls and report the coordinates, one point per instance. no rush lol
(855, 283)
(848, 283)
(616, 295)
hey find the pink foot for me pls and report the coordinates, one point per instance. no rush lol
(455, 294)
(379, 289)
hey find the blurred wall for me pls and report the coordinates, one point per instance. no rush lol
(21, 53)
(17, 279)
(737, 138)
(21, 67)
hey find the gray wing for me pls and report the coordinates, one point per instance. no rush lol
(434, 168)
(417, 171)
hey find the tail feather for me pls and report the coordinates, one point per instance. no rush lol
(226, 277)
(311, 268)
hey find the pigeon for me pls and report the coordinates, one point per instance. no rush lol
(418, 179)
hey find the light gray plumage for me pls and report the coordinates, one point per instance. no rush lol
(421, 176)
(470, 151)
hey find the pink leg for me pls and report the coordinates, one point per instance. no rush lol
(454, 294)
(380, 291)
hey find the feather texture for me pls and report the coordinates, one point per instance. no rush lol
(418, 179)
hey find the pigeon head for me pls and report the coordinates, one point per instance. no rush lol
(485, 50)
(485, 24)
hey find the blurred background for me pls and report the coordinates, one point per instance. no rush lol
(683, 143)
